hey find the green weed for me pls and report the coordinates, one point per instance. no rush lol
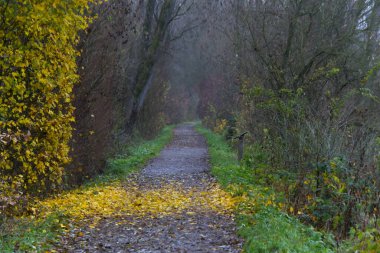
(270, 230)
(30, 235)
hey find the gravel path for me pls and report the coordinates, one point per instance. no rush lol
(183, 162)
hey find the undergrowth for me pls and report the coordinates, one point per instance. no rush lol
(261, 221)
(133, 158)
(29, 234)
(38, 231)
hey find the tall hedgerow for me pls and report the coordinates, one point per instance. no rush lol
(38, 54)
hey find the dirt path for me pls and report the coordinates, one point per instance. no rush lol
(202, 226)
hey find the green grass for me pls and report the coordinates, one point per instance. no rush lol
(135, 157)
(132, 158)
(270, 230)
(264, 228)
(32, 234)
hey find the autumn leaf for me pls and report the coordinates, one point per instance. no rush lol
(115, 200)
(38, 72)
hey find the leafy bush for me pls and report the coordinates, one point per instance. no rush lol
(37, 73)
(367, 240)
(325, 168)
(329, 195)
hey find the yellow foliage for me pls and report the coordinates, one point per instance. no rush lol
(220, 125)
(116, 200)
(37, 73)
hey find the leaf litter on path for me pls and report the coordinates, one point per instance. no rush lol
(173, 205)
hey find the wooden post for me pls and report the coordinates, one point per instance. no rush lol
(241, 145)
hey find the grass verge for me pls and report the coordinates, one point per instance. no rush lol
(41, 230)
(134, 157)
(30, 234)
(261, 222)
